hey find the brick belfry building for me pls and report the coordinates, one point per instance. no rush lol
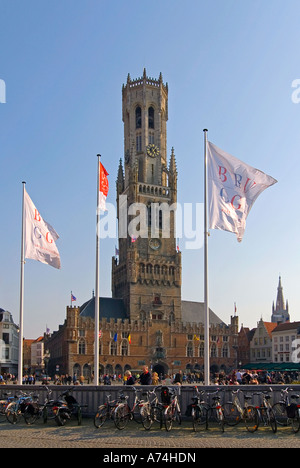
(145, 321)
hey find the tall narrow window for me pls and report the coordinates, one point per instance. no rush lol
(151, 117)
(139, 143)
(138, 117)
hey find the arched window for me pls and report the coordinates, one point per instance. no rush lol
(124, 348)
(113, 348)
(225, 353)
(138, 117)
(213, 351)
(190, 350)
(81, 347)
(151, 117)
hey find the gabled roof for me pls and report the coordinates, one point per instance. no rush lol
(108, 308)
(193, 312)
(270, 327)
(287, 326)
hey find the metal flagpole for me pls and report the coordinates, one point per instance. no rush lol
(206, 308)
(20, 362)
(96, 357)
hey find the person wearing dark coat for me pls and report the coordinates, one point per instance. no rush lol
(145, 377)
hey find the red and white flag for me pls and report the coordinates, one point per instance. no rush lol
(233, 187)
(39, 236)
(103, 187)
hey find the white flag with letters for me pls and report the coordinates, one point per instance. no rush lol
(39, 236)
(233, 187)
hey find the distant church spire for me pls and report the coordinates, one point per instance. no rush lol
(280, 311)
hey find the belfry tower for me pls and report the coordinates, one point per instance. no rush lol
(280, 312)
(146, 274)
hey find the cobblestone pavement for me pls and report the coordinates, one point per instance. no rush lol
(134, 436)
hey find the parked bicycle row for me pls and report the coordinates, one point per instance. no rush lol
(161, 407)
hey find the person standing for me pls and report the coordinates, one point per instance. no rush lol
(145, 377)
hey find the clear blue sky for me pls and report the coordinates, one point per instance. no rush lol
(229, 65)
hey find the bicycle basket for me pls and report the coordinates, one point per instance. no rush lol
(291, 410)
(166, 394)
(71, 401)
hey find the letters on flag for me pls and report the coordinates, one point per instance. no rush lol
(103, 187)
(39, 236)
(233, 187)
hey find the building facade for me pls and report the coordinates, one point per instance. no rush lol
(145, 321)
(9, 343)
(284, 342)
(261, 343)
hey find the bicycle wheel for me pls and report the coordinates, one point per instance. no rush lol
(121, 416)
(231, 414)
(280, 413)
(296, 422)
(272, 420)
(168, 418)
(31, 413)
(147, 420)
(251, 418)
(157, 415)
(2, 411)
(199, 417)
(100, 416)
(219, 417)
(13, 414)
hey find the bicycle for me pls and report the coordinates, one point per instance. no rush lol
(172, 410)
(16, 409)
(65, 409)
(216, 411)
(35, 411)
(265, 411)
(124, 413)
(107, 410)
(3, 405)
(198, 410)
(153, 409)
(234, 412)
(287, 412)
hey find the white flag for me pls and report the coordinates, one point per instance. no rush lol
(233, 187)
(39, 236)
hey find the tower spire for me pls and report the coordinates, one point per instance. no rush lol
(280, 312)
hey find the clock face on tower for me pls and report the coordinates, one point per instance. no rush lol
(152, 151)
(154, 244)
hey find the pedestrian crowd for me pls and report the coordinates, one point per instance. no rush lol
(246, 377)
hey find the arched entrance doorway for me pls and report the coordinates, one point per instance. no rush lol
(161, 369)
